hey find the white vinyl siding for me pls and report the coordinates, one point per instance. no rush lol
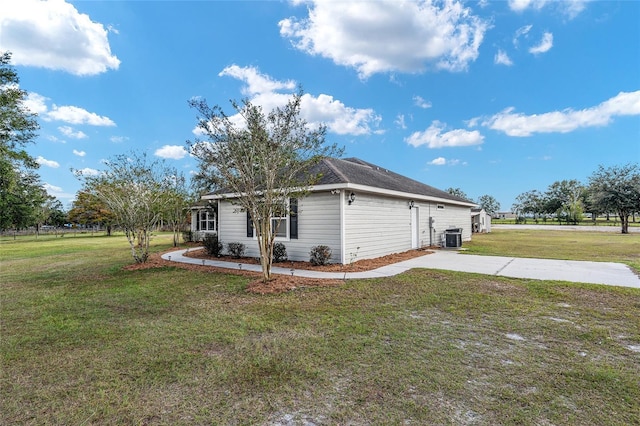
(318, 224)
(376, 226)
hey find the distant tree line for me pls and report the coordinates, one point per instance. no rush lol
(613, 190)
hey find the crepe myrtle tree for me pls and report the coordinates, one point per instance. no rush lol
(134, 190)
(177, 204)
(616, 189)
(262, 158)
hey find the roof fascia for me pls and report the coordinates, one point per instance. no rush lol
(361, 188)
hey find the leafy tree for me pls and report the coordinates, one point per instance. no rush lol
(530, 203)
(133, 188)
(49, 212)
(489, 204)
(616, 189)
(177, 203)
(264, 161)
(458, 193)
(20, 188)
(89, 209)
(564, 199)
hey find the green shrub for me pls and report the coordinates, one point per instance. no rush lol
(212, 245)
(279, 252)
(187, 236)
(320, 255)
(236, 249)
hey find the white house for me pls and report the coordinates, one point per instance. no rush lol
(359, 210)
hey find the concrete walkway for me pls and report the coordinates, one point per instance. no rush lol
(608, 273)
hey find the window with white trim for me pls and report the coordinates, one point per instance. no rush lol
(283, 224)
(206, 220)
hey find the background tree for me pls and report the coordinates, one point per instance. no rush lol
(20, 188)
(530, 203)
(458, 193)
(134, 191)
(616, 189)
(264, 161)
(489, 204)
(564, 200)
(177, 204)
(89, 210)
(49, 212)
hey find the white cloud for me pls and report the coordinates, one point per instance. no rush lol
(521, 32)
(255, 81)
(118, 139)
(399, 121)
(571, 8)
(79, 153)
(77, 115)
(568, 120)
(440, 161)
(35, 103)
(54, 35)
(174, 152)
(502, 58)
(522, 5)
(436, 137)
(71, 133)
(387, 36)
(544, 46)
(49, 163)
(338, 117)
(420, 102)
(58, 192)
(88, 172)
(51, 188)
(316, 110)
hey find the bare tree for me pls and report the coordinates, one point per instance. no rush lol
(134, 190)
(262, 159)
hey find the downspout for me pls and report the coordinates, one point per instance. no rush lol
(343, 248)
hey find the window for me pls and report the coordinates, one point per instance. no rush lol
(206, 220)
(285, 225)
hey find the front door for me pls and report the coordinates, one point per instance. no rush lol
(415, 228)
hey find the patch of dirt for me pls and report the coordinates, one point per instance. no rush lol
(278, 283)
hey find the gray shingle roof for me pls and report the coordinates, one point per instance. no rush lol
(356, 171)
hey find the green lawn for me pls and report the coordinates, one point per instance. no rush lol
(85, 342)
(570, 245)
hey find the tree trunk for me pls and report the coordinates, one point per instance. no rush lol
(265, 243)
(624, 220)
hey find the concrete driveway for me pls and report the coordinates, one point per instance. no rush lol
(608, 273)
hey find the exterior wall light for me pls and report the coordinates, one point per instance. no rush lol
(352, 198)
(411, 204)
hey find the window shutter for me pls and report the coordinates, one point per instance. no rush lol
(198, 220)
(249, 226)
(293, 218)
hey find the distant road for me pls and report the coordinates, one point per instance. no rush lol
(632, 229)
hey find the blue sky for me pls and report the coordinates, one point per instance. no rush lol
(493, 97)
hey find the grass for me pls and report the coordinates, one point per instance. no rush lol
(569, 245)
(86, 342)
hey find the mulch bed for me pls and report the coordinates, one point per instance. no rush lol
(278, 283)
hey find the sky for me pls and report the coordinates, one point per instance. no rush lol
(492, 97)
